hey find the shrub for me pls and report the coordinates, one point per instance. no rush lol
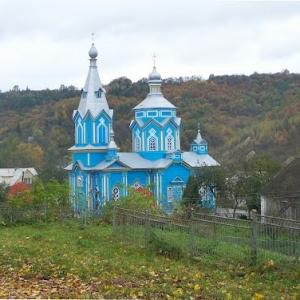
(135, 200)
(163, 247)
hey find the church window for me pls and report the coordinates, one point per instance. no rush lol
(79, 181)
(98, 93)
(102, 132)
(84, 94)
(152, 143)
(166, 113)
(170, 194)
(79, 134)
(137, 143)
(152, 113)
(170, 143)
(140, 114)
(115, 193)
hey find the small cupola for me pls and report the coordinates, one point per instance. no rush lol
(154, 81)
(199, 145)
(112, 147)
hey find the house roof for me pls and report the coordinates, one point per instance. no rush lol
(10, 176)
(286, 181)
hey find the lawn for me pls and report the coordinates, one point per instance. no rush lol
(64, 260)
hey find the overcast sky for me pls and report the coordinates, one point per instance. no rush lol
(45, 43)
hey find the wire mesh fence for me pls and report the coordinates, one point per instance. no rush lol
(43, 213)
(203, 234)
(196, 234)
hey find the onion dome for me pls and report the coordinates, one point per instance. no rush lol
(93, 53)
(154, 75)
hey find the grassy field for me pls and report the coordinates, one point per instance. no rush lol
(62, 260)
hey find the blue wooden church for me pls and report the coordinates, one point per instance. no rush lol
(99, 172)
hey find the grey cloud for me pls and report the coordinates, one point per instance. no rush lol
(45, 43)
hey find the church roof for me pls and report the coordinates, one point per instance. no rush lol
(198, 160)
(89, 100)
(135, 161)
(155, 101)
(132, 161)
(199, 139)
(87, 147)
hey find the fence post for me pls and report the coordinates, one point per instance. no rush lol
(192, 232)
(114, 219)
(254, 239)
(147, 228)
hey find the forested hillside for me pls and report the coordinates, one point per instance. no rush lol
(238, 115)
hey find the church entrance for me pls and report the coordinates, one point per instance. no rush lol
(175, 189)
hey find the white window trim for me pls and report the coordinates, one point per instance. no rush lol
(117, 194)
(102, 123)
(170, 195)
(94, 132)
(154, 113)
(138, 138)
(152, 135)
(142, 114)
(84, 133)
(169, 135)
(79, 126)
(168, 112)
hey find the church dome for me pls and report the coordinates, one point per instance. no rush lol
(154, 75)
(93, 53)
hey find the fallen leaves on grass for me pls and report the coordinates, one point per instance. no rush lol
(14, 286)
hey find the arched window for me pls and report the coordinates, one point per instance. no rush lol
(102, 132)
(137, 143)
(152, 143)
(170, 143)
(79, 134)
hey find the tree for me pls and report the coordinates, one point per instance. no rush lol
(212, 178)
(235, 190)
(3, 192)
(191, 193)
(258, 172)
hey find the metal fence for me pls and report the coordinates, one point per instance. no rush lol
(209, 235)
(198, 234)
(42, 213)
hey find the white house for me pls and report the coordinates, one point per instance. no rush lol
(11, 176)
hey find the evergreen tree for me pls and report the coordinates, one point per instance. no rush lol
(191, 193)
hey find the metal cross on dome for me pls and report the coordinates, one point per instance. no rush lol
(93, 37)
(154, 57)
